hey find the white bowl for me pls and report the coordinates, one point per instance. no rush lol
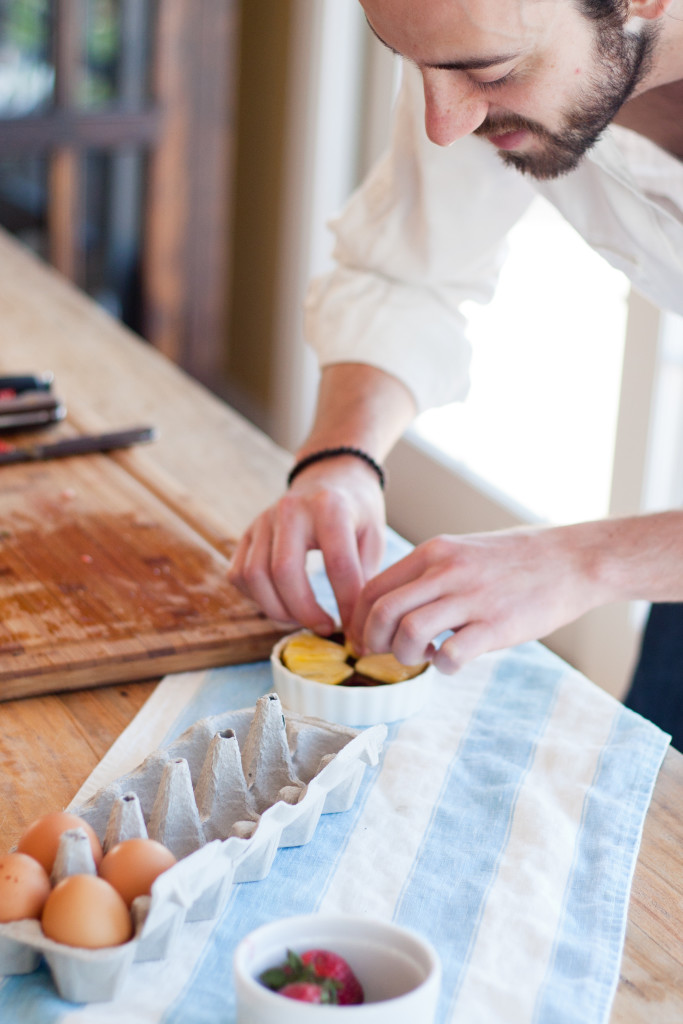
(400, 972)
(348, 705)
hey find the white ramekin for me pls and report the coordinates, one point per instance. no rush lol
(399, 970)
(348, 705)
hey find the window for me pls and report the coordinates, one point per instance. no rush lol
(115, 131)
(539, 422)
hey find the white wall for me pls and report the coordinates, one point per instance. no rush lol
(339, 97)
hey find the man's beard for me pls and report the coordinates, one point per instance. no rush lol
(623, 60)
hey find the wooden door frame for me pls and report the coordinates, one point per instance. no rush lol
(186, 254)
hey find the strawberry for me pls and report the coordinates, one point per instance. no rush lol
(332, 966)
(316, 976)
(305, 992)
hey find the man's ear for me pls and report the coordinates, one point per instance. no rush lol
(649, 10)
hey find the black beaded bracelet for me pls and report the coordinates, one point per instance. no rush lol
(331, 453)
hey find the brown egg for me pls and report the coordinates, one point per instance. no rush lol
(24, 887)
(41, 838)
(85, 911)
(132, 865)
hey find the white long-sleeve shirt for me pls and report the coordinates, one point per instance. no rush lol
(426, 231)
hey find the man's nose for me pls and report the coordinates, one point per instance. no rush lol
(453, 106)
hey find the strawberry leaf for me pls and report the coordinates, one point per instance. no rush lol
(275, 978)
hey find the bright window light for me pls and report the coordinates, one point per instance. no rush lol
(540, 420)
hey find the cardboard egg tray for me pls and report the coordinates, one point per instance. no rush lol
(223, 797)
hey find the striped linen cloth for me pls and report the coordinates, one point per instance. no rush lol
(503, 823)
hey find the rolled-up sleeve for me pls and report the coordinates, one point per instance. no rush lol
(424, 233)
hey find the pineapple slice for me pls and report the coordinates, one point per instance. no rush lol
(315, 658)
(330, 672)
(308, 646)
(387, 669)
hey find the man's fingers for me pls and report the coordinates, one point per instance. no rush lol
(370, 597)
(464, 645)
(251, 571)
(236, 570)
(292, 537)
(339, 546)
(371, 548)
(404, 619)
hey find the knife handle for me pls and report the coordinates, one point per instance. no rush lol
(89, 443)
(30, 417)
(27, 382)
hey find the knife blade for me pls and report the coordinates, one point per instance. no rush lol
(86, 444)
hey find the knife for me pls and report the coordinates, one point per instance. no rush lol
(30, 418)
(29, 410)
(84, 445)
(27, 401)
(27, 382)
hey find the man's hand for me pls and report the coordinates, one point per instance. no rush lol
(492, 590)
(334, 506)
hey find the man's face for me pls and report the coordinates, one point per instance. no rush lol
(537, 78)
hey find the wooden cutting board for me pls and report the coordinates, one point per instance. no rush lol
(108, 573)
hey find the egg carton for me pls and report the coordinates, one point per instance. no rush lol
(223, 797)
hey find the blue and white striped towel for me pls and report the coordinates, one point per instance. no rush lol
(503, 822)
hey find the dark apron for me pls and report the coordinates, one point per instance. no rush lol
(657, 687)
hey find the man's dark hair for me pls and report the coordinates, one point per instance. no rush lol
(604, 10)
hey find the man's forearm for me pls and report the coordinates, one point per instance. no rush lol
(361, 406)
(640, 557)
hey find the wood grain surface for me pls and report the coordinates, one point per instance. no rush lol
(651, 981)
(208, 457)
(49, 746)
(100, 581)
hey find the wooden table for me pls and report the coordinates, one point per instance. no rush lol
(50, 744)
